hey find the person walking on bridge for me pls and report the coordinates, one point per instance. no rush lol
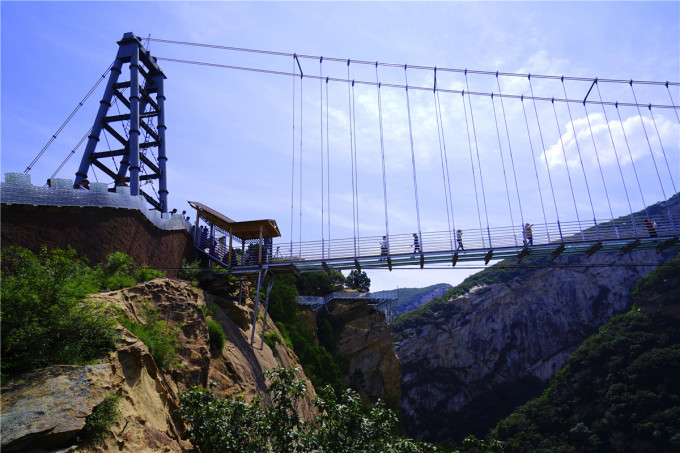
(416, 243)
(459, 238)
(528, 234)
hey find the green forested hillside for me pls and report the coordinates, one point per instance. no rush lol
(412, 298)
(443, 308)
(619, 391)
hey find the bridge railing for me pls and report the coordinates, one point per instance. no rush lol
(585, 231)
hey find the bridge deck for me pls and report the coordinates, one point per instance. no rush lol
(573, 245)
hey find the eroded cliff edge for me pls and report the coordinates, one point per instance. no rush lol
(501, 343)
(46, 409)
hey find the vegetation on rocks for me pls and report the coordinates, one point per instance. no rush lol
(344, 425)
(161, 338)
(619, 391)
(101, 418)
(322, 363)
(45, 317)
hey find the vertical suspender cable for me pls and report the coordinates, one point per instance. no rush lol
(618, 161)
(328, 175)
(599, 165)
(670, 174)
(479, 162)
(545, 156)
(566, 164)
(533, 160)
(323, 244)
(445, 162)
(292, 172)
(351, 156)
(356, 166)
(382, 153)
(472, 165)
(300, 192)
(413, 158)
(505, 178)
(512, 161)
(632, 162)
(651, 153)
(580, 159)
(672, 103)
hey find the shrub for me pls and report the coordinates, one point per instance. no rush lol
(44, 319)
(161, 338)
(271, 339)
(359, 281)
(101, 418)
(234, 425)
(216, 333)
(190, 271)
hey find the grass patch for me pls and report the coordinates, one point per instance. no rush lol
(100, 420)
(217, 335)
(161, 338)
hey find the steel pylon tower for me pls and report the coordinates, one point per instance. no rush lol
(132, 126)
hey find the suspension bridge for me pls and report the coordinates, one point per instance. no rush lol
(549, 146)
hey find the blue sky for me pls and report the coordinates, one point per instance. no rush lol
(230, 133)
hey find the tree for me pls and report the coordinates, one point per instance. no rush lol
(359, 281)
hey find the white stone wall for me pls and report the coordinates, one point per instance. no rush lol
(17, 189)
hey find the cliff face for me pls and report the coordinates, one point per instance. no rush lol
(47, 408)
(366, 338)
(504, 341)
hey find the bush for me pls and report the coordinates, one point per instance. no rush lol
(190, 271)
(272, 339)
(99, 421)
(234, 425)
(161, 339)
(217, 335)
(44, 319)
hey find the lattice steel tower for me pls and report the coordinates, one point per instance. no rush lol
(138, 125)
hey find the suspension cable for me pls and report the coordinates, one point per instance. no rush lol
(413, 158)
(599, 165)
(649, 144)
(323, 242)
(538, 183)
(351, 156)
(445, 161)
(292, 176)
(580, 158)
(70, 154)
(566, 164)
(356, 165)
(300, 177)
(618, 161)
(328, 175)
(512, 160)
(479, 162)
(651, 153)
(399, 65)
(399, 86)
(670, 174)
(472, 165)
(545, 156)
(672, 103)
(68, 119)
(505, 178)
(382, 153)
(632, 161)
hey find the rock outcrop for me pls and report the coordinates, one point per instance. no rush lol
(45, 409)
(366, 338)
(503, 342)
